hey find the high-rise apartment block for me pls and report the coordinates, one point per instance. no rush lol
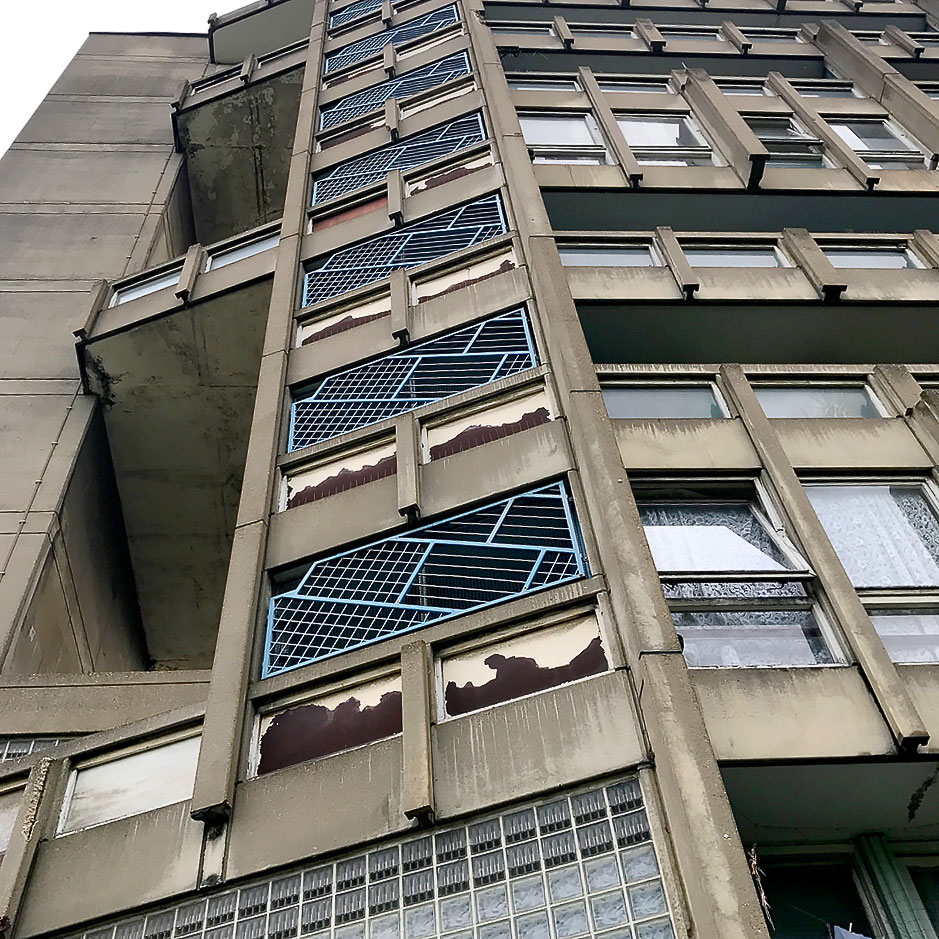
(469, 471)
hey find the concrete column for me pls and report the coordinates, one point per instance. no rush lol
(417, 715)
(886, 685)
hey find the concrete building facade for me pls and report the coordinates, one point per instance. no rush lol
(470, 471)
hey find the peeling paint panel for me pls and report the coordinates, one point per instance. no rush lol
(441, 175)
(347, 318)
(329, 724)
(470, 273)
(129, 785)
(425, 104)
(307, 484)
(521, 666)
(493, 423)
(9, 807)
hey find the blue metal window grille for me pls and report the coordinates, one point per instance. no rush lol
(409, 153)
(353, 12)
(411, 83)
(434, 237)
(372, 45)
(466, 562)
(428, 371)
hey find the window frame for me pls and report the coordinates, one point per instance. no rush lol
(729, 247)
(597, 153)
(613, 383)
(759, 382)
(648, 246)
(915, 156)
(705, 154)
(797, 149)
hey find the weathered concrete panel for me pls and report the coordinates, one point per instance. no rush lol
(75, 120)
(128, 177)
(316, 807)
(535, 744)
(846, 443)
(103, 870)
(922, 682)
(686, 443)
(790, 713)
(67, 246)
(143, 45)
(123, 76)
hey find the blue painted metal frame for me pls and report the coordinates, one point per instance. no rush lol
(408, 153)
(372, 45)
(411, 83)
(427, 240)
(353, 12)
(402, 381)
(464, 563)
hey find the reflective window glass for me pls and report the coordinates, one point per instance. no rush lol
(607, 256)
(146, 287)
(887, 258)
(910, 636)
(690, 33)
(751, 639)
(871, 135)
(659, 401)
(554, 130)
(9, 807)
(240, 252)
(665, 131)
(543, 84)
(733, 256)
(886, 536)
(741, 88)
(816, 401)
(614, 84)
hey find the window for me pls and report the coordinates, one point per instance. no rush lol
(407, 154)
(543, 84)
(600, 255)
(662, 401)
(435, 237)
(734, 256)
(513, 872)
(817, 401)
(736, 586)
(910, 635)
(825, 89)
(9, 808)
(411, 83)
(665, 139)
(789, 144)
(740, 87)
(656, 87)
(692, 33)
(523, 665)
(161, 775)
(601, 32)
(872, 257)
(564, 138)
(373, 45)
(143, 288)
(880, 144)
(442, 569)
(246, 250)
(427, 371)
(757, 34)
(521, 30)
(887, 535)
(12, 748)
(328, 724)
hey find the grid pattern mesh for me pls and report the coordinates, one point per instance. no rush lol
(421, 79)
(372, 45)
(12, 748)
(353, 12)
(408, 581)
(428, 371)
(409, 153)
(579, 865)
(435, 237)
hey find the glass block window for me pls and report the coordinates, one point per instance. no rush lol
(440, 570)
(408, 153)
(353, 12)
(427, 371)
(372, 45)
(427, 240)
(580, 864)
(411, 83)
(12, 748)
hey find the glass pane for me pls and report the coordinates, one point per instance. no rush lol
(231, 255)
(659, 401)
(870, 258)
(927, 885)
(543, 84)
(805, 897)
(146, 287)
(756, 88)
(710, 536)
(816, 401)
(606, 256)
(659, 132)
(660, 88)
(732, 257)
(543, 130)
(777, 637)
(908, 635)
(886, 536)
(132, 784)
(9, 806)
(869, 135)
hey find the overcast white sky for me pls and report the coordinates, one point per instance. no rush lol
(40, 37)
